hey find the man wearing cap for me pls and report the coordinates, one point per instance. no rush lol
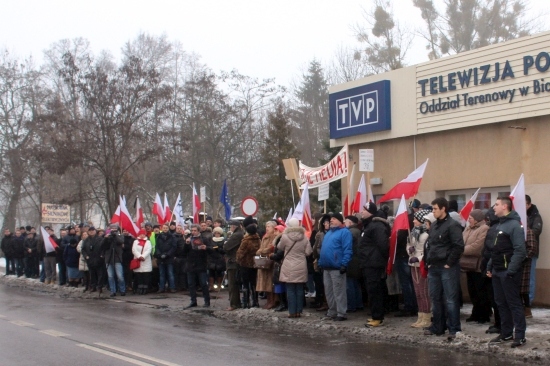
(93, 253)
(230, 248)
(65, 242)
(446, 247)
(374, 250)
(336, 252)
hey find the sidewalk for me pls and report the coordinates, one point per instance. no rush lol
(472, 339)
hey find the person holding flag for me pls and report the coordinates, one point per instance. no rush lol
(446, 247)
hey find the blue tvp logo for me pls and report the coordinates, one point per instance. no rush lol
(360, 110)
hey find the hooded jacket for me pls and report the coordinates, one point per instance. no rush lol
(374, 246)
(294, 267)
(508, 252)
(336, 249)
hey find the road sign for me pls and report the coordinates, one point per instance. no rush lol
(249, 206)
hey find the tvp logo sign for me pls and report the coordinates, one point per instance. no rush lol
(360, 110)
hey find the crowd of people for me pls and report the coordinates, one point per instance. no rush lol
(340, 265)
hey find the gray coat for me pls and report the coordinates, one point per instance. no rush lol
(294, 267)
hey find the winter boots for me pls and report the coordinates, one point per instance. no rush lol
(246, 299)
(424, 320)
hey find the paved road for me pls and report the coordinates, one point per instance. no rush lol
(44, 330)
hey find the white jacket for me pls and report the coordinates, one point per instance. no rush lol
(146, 265)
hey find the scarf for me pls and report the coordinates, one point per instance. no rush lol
(141, 242)
(417, 231)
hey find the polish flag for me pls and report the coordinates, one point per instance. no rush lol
(49, 243)
(468, 207)
(345, 207)
(303, 211)
(401, 223)
(408, 186)
(196, 205)
(167, 212)
(139, 213)
(520, 206)
(360, 196)
(126, 222)
(116, 216)
(158, 209)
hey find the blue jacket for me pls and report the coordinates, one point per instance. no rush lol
(336, 249)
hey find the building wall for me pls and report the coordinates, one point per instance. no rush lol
(486, 145)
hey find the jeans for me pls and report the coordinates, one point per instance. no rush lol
(10, 266)
(335, 291)
(510, 307)
(166, 269)
(310, 283)
(443, 285)
(295, 298)
(353, 291)
(62, 273)
(192, 284)
(532, 280)
(18, 266)
(407, 286)
(111, 269)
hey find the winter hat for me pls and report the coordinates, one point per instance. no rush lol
(477, 215)
(142, 232)
(251, 229)
(415, 203)
(353, 219)
(147, 224)
(218, 230)
(293, 222)
(248, 220)
(430, 217)
(421, 215)
(338, 216)
(370, 207)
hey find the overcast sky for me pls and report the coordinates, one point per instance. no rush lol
(259, 38)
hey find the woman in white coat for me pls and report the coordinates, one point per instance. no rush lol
(142, 251)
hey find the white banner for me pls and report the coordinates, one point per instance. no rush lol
(323, 192)
(56, 214)
(366, 160)
(335, 169)
(203, 194)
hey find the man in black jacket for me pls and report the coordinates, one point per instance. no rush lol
(197, 257)
(445, 248)
(164, 252)
(6, 249)
(230, 248)
(93, 254)
(505, 268)
(534, 222)
(373, 251)
(112, 247)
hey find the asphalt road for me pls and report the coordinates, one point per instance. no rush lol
(44, 330)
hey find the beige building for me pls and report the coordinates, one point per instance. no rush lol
(482, 118)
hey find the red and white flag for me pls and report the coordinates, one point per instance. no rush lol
(196, 205)
(360, 196)
(167, 211)
(178, 211)
(407, 187)
(158, 209)
(290, 213)
(49, 243)
(401, 223)
(520, 206)
(116, 216)
(126, 222)
(138, 219)
(303, 210)
(468, 207)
